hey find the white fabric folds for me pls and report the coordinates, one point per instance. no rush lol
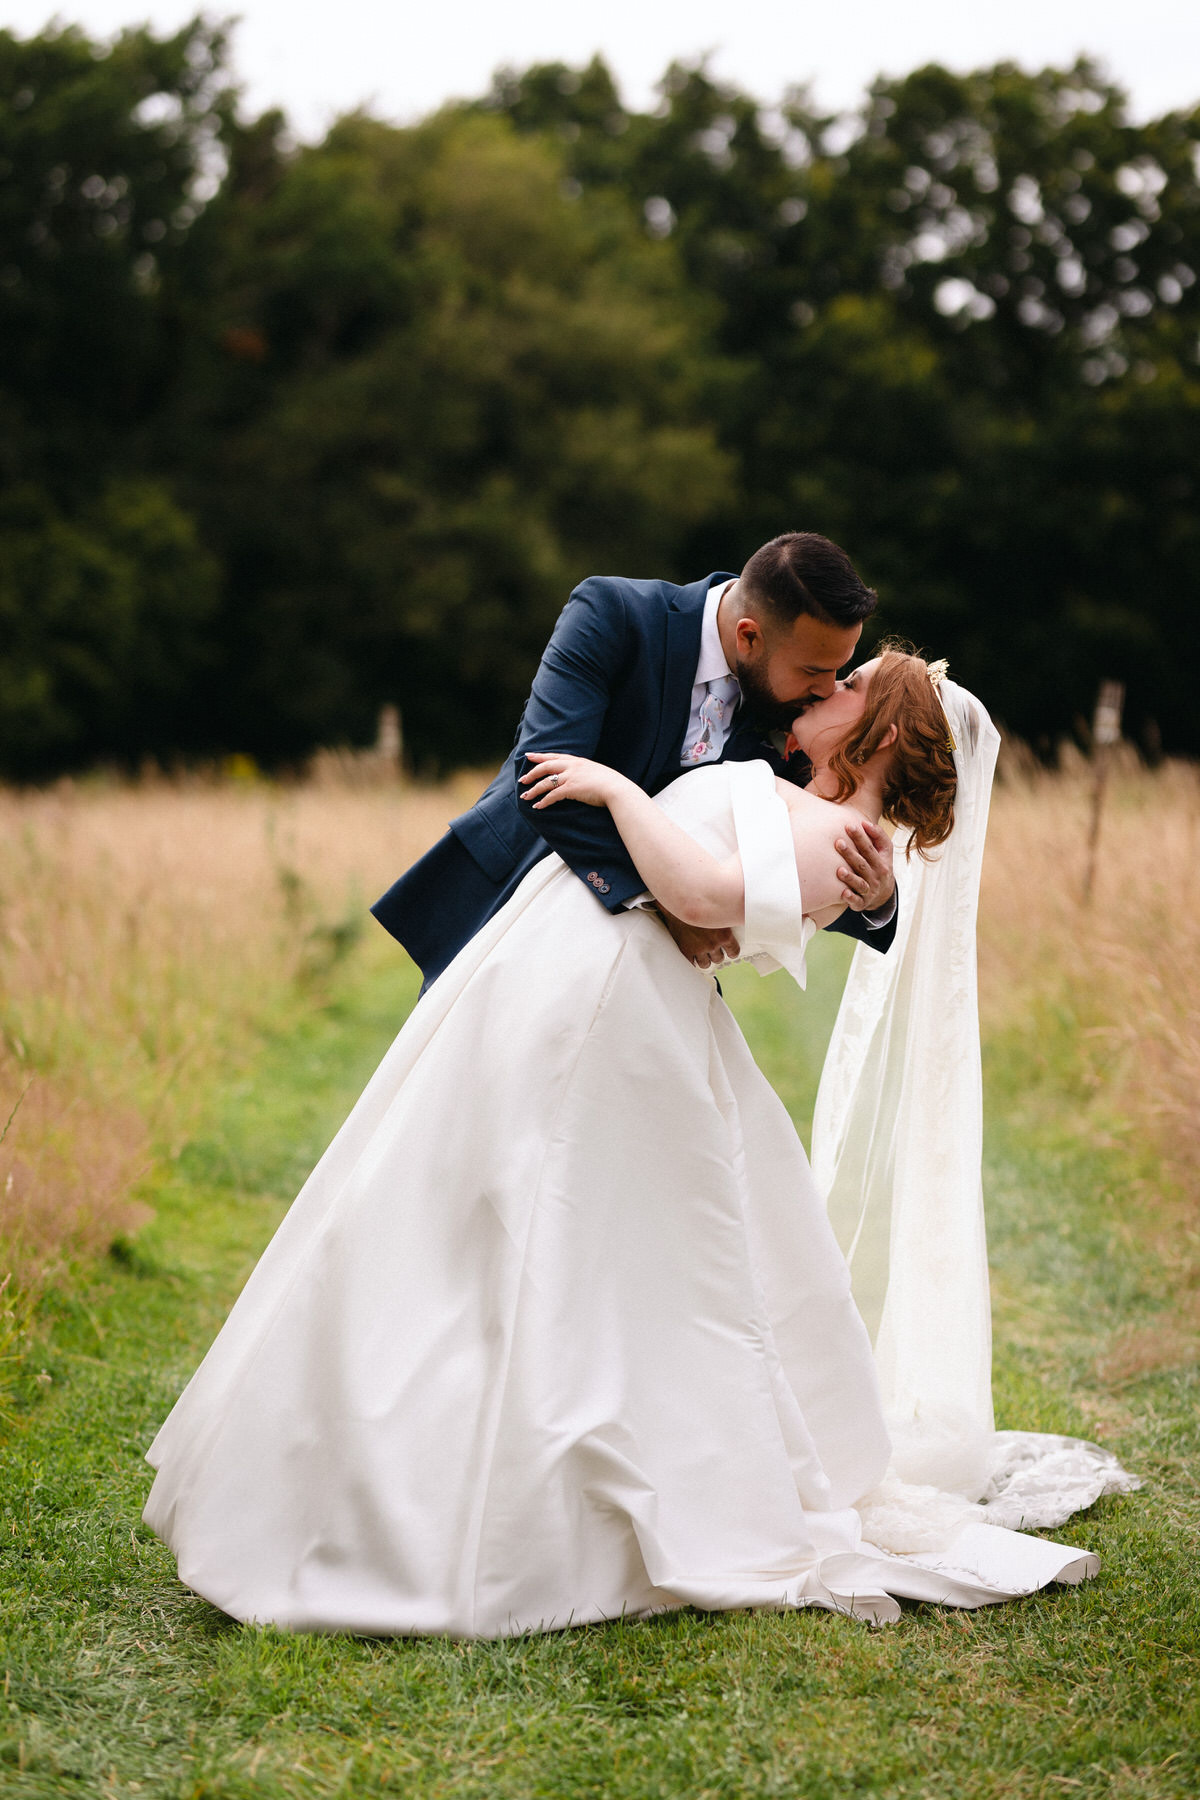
(558, 1329)
(776, 934)
(897, 1150)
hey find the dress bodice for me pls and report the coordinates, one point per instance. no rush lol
(730, 807)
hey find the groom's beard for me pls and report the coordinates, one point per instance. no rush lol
(763, 707)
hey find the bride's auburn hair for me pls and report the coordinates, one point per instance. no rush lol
(921, 782)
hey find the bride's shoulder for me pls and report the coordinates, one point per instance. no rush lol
(802, 800)
(813, 810)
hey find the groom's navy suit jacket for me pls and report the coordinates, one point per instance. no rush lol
(615, 684)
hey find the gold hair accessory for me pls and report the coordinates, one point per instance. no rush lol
(937, 672)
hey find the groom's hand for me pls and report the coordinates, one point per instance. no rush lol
(866, 869)
(707, 949)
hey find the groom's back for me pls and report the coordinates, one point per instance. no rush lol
(613, 684)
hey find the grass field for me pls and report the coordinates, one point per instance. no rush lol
(118, 1682)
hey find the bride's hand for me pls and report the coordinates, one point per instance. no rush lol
(568, 778)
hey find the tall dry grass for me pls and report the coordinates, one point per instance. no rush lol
(146, 933)
(1095, 1006)
(1118, 976)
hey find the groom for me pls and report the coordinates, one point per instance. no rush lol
(653, 679)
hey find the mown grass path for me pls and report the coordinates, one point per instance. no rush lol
(119, 1682)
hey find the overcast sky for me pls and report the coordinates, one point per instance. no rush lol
(404, 59)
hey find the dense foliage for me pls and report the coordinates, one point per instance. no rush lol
(289, 431)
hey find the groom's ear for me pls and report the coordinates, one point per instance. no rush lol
(749, 635)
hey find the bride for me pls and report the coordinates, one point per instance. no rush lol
(559, 1328)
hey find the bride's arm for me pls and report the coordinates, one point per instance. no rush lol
(683, 877)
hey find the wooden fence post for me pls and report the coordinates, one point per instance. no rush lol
(1106, 731)
(389, 739)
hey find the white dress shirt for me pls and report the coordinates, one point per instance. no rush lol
(712, 666)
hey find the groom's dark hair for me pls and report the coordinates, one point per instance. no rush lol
(802, 572)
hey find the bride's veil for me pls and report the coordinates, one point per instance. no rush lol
(898, 1139)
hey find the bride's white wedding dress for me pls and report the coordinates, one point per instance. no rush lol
(558, 1328)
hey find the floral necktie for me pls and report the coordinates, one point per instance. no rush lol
(716, 710)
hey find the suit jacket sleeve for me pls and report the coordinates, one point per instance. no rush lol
(853, 925)
(566, 710)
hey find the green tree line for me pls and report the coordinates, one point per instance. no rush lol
(290, 431)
